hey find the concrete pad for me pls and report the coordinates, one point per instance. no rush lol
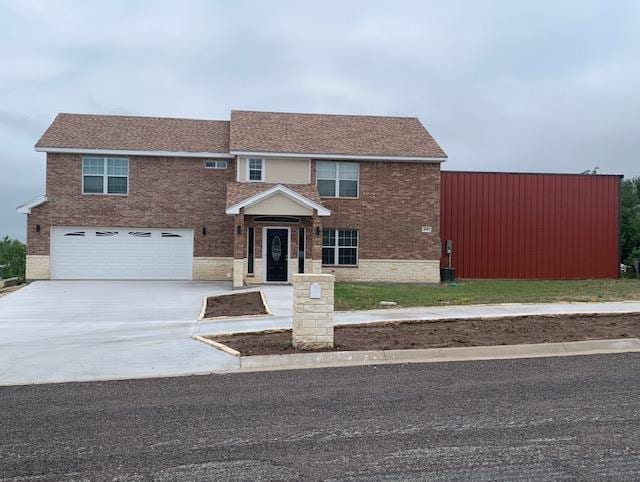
(57, 331)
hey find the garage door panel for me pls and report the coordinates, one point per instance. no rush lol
(121, 253)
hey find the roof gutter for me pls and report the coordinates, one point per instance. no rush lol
(341, 156)
(128, 152)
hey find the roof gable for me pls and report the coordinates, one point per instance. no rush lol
(278, 132)
(275, 190)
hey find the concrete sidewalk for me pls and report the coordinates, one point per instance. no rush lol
(426, 313)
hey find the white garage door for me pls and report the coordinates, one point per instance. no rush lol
(121, 253)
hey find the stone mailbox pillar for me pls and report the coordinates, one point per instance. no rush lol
(313, 311)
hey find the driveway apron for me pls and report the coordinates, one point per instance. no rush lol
(55, 331)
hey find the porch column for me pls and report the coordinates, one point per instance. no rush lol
(316, 245)
(239, 250)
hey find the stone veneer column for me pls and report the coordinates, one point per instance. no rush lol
(312, 317)
(316, 245)
(238, 250)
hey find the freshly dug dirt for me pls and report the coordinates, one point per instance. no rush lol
(442, 334)
(236, 304)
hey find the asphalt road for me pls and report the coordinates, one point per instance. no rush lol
(555, 418)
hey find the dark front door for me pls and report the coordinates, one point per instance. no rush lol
(277, 254)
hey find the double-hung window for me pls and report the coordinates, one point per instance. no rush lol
(255, 170)
(105, 175)
(340, 247)
(337, 179)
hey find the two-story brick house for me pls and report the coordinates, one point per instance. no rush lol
(252, 200)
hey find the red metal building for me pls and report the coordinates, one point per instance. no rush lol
(531, 226)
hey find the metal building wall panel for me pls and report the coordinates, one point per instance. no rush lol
(531, 226)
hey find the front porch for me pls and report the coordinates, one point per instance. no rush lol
(277, 232)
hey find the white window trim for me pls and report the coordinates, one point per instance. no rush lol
(216, 163)
(337, 246)
(105, 177)
(337, 180)
(262, 170)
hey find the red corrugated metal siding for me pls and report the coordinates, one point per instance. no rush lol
(528, 226)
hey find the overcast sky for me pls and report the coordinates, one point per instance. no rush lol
(516, 86)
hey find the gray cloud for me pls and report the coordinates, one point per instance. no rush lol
(519, 86)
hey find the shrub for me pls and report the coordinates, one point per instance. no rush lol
(12, 258)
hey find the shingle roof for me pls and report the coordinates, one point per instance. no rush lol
(248, 131)
(331, 134)
(86, 131)
(239, 191)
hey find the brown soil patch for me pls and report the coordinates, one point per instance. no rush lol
(236, 304)
(451, 333)
(10, 289)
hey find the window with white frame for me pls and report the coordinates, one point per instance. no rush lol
(255, 170)
(215, 164)
(340, 247)
(337, 179)
(105, 175)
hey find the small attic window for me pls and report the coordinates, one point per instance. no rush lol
(215, 164)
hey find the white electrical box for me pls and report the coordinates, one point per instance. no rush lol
(315, 292)
(427, 229)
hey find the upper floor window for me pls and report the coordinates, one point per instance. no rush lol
(337, 179)
(105, 175)
(215, 164)
(255, 168)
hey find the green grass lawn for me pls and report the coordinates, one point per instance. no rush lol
(365, 296)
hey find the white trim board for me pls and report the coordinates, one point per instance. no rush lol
(279, 189)
(128, 152)
(339, 157)
(26, 207)
(232, 154)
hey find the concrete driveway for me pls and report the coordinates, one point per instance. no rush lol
(54, 331)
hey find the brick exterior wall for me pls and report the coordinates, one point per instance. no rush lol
(396, 200)
(164, 192)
